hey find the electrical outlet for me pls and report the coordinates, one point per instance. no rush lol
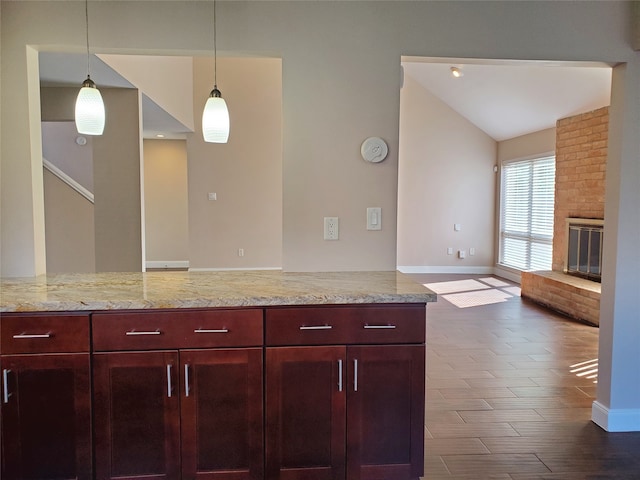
(472, 251)
(450, 251)
(331, 229)
(462, 254)
(241, 252)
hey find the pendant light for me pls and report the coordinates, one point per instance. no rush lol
(215, 117)
(89, 114)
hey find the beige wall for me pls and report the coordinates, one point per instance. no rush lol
(245, 173)
(116, 180)
(116, 176)
(60, 148)
(532, 144)
(636, 25)
(445, 177)
(69, 228)
(166, 201)
(57, 104)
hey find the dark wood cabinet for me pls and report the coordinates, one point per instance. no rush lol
(46, 397)
(179, 413)
(221, 413)
(344, 410)
(331, 392)
(385, 424)
(136, 415)
(305, 413)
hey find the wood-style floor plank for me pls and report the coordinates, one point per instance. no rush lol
(502, 400)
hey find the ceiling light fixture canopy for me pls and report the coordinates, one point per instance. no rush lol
(89, 111)
(456, 72)
(215, 117)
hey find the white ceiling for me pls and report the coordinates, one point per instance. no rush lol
(507, 99)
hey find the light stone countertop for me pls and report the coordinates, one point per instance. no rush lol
(122, 291)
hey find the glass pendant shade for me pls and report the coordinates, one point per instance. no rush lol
(90, 114)
(215, 119)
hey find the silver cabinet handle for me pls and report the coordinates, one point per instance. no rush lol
(316, 327)
(204, 330)
(186, 379)
(340, 375)
(135, 332)
(355, 374)
(5, 385)
(379, 327)
(169, 381)
(33, 335)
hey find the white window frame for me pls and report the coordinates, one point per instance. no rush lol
(534, 232)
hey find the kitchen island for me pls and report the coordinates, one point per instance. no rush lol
(215, 375)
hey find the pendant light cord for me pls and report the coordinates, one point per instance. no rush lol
(215, 53)
(86, 17)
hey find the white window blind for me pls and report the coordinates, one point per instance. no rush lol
(526, 231)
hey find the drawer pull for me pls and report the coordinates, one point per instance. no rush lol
(186, 379)
(204, 330)
(355, 374)
(316, 327)
(5, 385)
(33, 335)
(379, 327)
(134, 332)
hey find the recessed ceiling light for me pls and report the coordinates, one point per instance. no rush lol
(456, 72)
(159, 135)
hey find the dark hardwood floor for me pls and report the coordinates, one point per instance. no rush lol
(508, 393)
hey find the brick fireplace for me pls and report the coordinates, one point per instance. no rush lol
(581, 157)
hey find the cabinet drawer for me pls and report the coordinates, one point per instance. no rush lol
(325, 325)
(28, 333)
(177, 329)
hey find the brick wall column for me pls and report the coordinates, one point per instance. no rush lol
(581, 157)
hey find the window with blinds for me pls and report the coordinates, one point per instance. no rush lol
(526, 213)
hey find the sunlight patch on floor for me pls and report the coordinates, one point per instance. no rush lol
(515, 291)
(477, 298)
(588, 369)
(475, 293)
(456, 286)
(494, 282)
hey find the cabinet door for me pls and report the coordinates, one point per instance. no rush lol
(305, 413)
(46, 417)
(137, 415)
(222, 421)
(385, 426)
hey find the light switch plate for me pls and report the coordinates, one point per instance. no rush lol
(374, 218)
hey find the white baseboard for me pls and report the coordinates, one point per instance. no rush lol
(625, 420)
(232, 269)
(167, 264)
(446, 269)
